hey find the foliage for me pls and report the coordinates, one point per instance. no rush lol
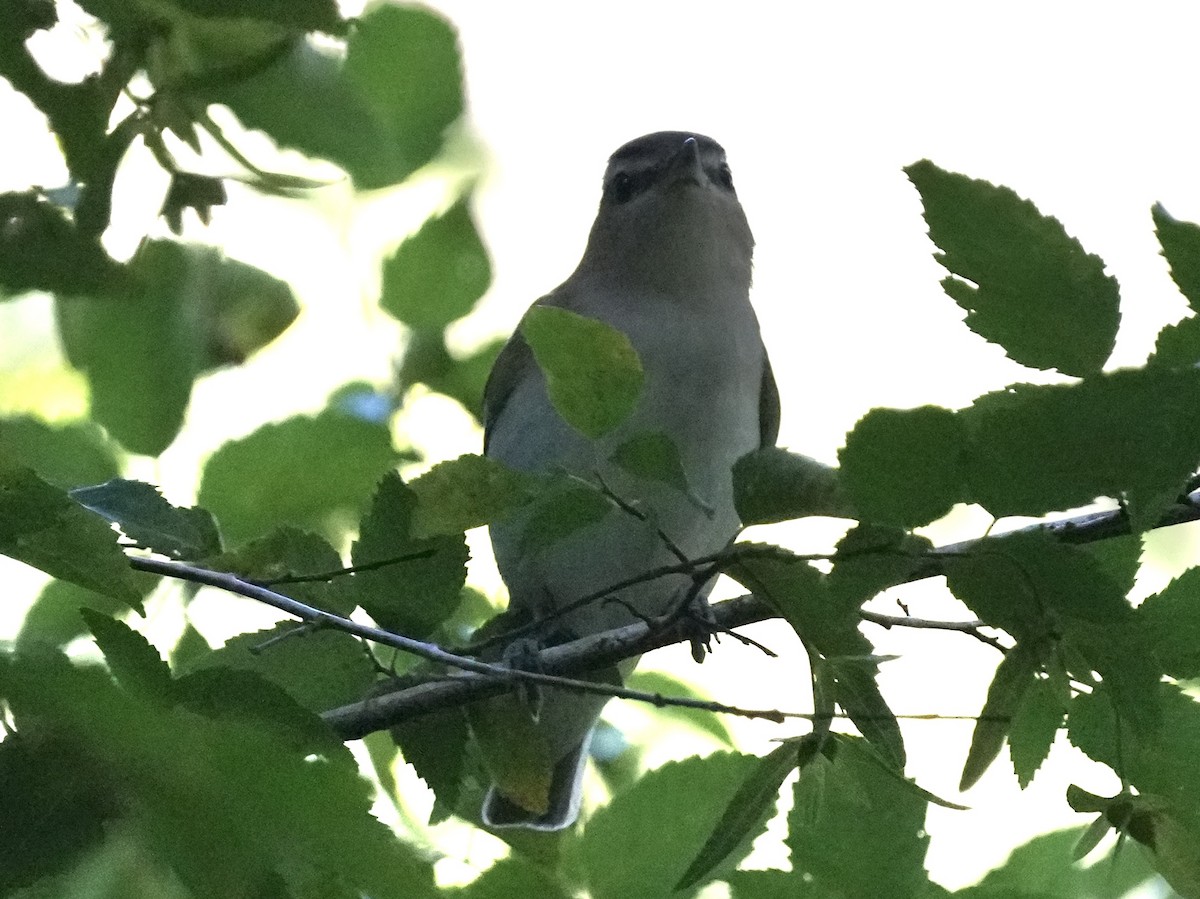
(220, 772)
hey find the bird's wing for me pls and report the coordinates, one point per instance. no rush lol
(768, 405)
(512, 366)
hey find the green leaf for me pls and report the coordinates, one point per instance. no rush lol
(54, 619)
(427, 361)
(286, 554)
(512, 877)
(747, 813)
(467, 492)
(771, 484)
(1171, 619)
(697, 719)
(412, 597)
(1014, 677)
(870, 559)
(438, 274)
(230, 808)
(134, 663)
(65, 455)
(652, 457)
(854, 828)
(436, 747)
(645, 829)
(403, 62)
(593, 373)
(1043, 868)
(1180, 242)
(241, 695)
(310, 15)
(149, 520)
(320, 669)
(379, 110)
(1132, 433)
(42, 527)
(799, 592)
(560, 511)
(184, 311)
(305, 471)
(1024, 283)
(904, 467)
(41, 249)
(1036, 722)
(1178, 345)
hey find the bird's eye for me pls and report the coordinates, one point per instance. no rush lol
(622, 187)
(724, 176)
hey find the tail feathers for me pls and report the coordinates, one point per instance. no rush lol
(566, 787)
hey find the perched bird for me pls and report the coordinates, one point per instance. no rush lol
(668, 262)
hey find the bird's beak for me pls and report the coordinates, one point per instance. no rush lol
(685, 166)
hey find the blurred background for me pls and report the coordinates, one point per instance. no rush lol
(1084, 108)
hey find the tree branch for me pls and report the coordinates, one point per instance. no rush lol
(479, 680)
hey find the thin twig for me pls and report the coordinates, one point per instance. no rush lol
(965, 627)
(326, 576)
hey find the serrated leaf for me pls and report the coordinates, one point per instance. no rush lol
(854, 829)
(42, 527)
(1180, 242)
(870, 559)
(645, 829)
(146, 517)
(1037, 449)
(593, 373)
(1171, 619)
(239, 694)
(1025, 284)
(653, 457)
(436, 747)
(1178, 345)
(856, 690)
(66, 455)
(1036, 723)
(223, 806)
(134, 663)
(306, 471)
(1013, 678)
(411, 597)
(320, 669)
(438, 274)
(747, 813)
(904, 467)
(467, 492)
(772, 484)
(282, 559)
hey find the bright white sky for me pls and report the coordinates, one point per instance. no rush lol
(1087, 108)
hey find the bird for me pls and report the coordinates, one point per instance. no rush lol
(667, 263)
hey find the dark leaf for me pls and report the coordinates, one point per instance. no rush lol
(42, 527)
(904, 467)
(772, 485)
(1180, 242)
(1013, 679)
(1024, 283)
(146, 518)
(134, 663)
(466, 493)
(414, 596)
(1132, 433)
